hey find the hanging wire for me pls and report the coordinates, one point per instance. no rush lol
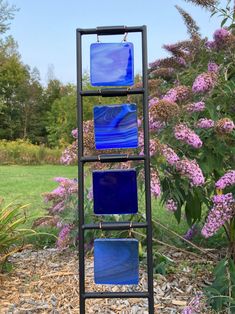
(98, 39)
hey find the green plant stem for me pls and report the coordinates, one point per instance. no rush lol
(185, 240)
(170, 246)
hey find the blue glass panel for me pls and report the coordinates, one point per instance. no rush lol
(115, 192)
(112, 64)
(116, 261)
(116, 126)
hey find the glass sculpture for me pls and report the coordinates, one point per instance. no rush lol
(116, 261)
(112, 64)
(115, 192)
(116, 126)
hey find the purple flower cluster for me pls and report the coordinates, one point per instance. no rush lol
(204, 82)
(58, 196)
(153, 145)
(153, 101)
(213, 67)
(225, 125)
(186, 135)
(171, 205)
(69, 155)
(64, 237)
(228, 179)
(177, 94)
(194, 305)
(155, 184)
(75, 133)
(181, 61)
(204, 123)
(191, 170)
(191, 232)
(196, 107)
(210, 44)
(169, 154)
(222, 211)
(221, 36)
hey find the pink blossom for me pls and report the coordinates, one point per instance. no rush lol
(221, 212)
(204, 123)
(153, 145)
(228, 179)
(221, 36)
(64, 237)
(171, 205)
(75, 133)
(191, 170)
(153, 101)
(204, 82)
(155, 184)
(186, 135)
(213, 67)
(210, 44)
(169, 154)
(177, 94)
(196, 107)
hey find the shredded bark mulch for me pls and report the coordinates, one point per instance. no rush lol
(47, 281)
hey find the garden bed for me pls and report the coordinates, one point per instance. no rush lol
(47, 281)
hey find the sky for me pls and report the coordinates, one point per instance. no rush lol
(46, 29)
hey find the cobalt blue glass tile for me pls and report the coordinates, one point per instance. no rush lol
(112, 64)
(115, 192)
(116, 261)
(116, 126)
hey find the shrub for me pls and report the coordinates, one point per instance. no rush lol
(24, 153)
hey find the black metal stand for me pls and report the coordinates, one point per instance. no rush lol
(113, 30)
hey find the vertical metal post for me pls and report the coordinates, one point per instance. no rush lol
(147, 170)
(80, 174)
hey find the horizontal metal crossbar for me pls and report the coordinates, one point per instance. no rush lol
(112, 92)
(125, 225)
(112, 158)
(110, 30)
(103, 295)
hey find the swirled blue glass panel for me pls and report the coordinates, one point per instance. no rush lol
(115, 192)
(116, 126)
(116, 261)
(112, 64)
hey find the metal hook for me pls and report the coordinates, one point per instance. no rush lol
(125, 37)
(130, 227)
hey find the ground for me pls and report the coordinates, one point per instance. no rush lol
(47, 281)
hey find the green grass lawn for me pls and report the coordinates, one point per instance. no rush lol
(26, 184)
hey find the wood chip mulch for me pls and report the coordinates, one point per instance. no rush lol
(47, 281)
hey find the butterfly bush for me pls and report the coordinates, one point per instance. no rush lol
(221, 37)
(204, 82)
(58, 196)
(177, 94)
(196, 107)
(204, 123)
(213, 67)
(63, 240)
(224, 125)
(169, 154)
(191, 232)
(155, 184)
(171, 205)
(191, 170)
(186, 135)
(221, 212)
(228, 179)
